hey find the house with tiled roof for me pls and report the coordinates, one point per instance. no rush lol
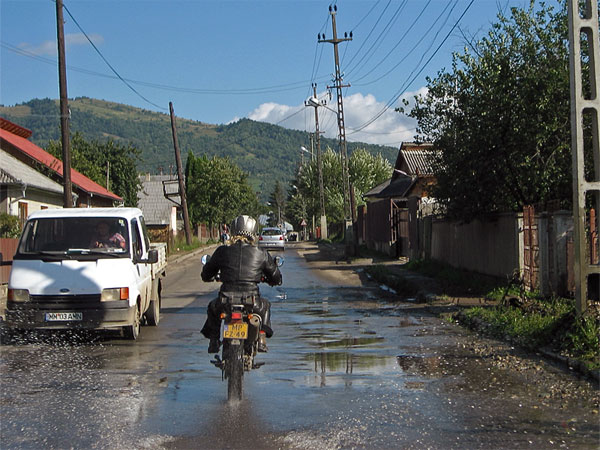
(14, 141)
(24, 190)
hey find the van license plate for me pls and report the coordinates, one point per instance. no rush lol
(235, 331)
(63, 316)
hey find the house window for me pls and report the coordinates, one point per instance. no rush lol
(22, 213)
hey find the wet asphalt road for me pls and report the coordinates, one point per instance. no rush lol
(347, 368)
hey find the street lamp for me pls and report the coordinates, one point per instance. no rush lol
(304, 150)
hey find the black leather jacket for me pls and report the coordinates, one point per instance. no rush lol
(242, 267)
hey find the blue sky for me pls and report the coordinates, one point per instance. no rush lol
(221, 60)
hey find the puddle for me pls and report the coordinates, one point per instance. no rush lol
(432, 366)
(332, 362)
(351, 342)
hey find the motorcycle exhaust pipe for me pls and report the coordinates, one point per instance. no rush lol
(254, 328)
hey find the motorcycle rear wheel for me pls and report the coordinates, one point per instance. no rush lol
(233, 355)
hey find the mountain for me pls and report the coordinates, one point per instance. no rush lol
(266, 152)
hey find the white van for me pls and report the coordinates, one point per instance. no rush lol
(90, 268)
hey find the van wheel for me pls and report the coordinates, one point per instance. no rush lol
(133, 331)
(153, 313)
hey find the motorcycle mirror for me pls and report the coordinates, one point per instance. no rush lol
(279, 260)
(205, 259)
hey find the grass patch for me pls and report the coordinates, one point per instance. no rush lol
(456, 282)
(525, 318)
(543, 323)
(180, 246)
(366, 252)
(401, 285)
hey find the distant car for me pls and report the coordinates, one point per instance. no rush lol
(271, 237)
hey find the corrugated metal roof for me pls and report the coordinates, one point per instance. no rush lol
(45, 158)
(13, 171)
(418, 158)
(418, 161)
(415, 158)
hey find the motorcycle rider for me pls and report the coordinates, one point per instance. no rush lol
(242, 265)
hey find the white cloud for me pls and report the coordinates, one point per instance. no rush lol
(390, 128)
(49, 48)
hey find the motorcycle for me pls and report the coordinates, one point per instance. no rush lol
(240, 332)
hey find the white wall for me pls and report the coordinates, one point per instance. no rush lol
(34, 198)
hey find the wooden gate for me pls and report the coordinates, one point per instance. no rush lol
(531, 249)
(8, 247)
(400, 229)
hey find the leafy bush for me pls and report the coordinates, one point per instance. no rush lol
(9, 226)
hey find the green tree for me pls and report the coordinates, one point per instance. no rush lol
(217, 190)
(500, 118)
(366, 171)
(92, 159)
(278, 202)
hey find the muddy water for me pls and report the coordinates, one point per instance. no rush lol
(352, 368)
(347, 368)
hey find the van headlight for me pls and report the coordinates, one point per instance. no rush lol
(18, 295)
(114, 294)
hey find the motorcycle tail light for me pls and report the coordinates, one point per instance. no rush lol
(281, 238)
(236, 316)
(260, 238)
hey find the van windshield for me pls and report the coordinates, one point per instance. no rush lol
(71, 237)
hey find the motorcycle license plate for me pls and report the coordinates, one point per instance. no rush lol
(235, 331)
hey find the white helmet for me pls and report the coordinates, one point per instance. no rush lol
(243, 226)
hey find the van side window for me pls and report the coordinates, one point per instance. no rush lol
(145, 232)
(136, 239)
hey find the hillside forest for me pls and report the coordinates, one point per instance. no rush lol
(266, 153)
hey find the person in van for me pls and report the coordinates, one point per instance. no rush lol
(105, 239)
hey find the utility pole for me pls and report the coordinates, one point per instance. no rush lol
(64, 108)
(314, 102)
(338, 84)
(108, 175)
(184, 208)
(584, 103)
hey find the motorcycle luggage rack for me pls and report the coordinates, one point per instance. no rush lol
(244, 298)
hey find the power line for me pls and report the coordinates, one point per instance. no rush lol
(366, 15)
(408, 82)
(107, 63)
(290, 116)
(368, 36)
(317, 63)
(246, 91)
(413, 48)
